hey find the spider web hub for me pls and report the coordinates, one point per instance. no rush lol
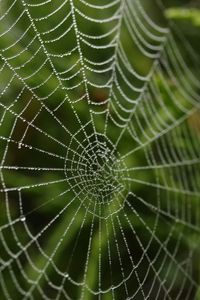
(95, 174)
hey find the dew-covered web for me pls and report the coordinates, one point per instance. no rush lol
(100, 139)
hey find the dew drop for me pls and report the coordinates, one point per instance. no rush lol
(23, 218)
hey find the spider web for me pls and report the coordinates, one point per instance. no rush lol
(99, 133)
